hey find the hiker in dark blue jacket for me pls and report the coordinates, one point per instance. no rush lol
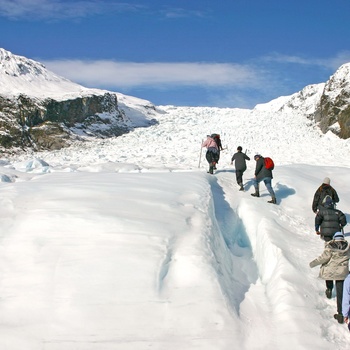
(263, 174)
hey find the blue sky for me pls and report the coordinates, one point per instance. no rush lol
(225, 53)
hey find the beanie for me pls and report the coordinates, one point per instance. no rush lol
(338, 236)
(327, 181)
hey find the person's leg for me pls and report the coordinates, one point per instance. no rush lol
(209, 157)
(267, 182)
(239, 174)
(256, 186)
(339, 289)
(329, 288)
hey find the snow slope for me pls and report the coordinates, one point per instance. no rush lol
(128, 243)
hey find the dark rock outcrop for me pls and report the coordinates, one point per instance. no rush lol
(51, 124)
(333, 110)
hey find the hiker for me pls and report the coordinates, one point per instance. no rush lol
(334, 263)
(346, 300)
(324, 190)
(217, 140)
(329, 220)
(240, 166)
(212, 153)
(263, 174)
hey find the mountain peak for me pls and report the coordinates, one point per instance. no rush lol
(20, 75)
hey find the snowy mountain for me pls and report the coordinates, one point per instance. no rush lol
(328, 104)
(40, 110)
(333, 111)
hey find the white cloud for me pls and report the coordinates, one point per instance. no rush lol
(182, 13)
(57, 9)
(332, 63)
(130, 74)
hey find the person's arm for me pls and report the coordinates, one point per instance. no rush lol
(342, 219)
(335, 196)
(259, 166)
(346, 300)
(315, 201)
(318, 222)
(322, 259)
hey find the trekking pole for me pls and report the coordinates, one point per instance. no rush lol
(200, 155)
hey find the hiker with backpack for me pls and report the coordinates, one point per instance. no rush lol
(263, 172)
(334, 263)
(217, 140)
(240, 166)
(329, 220)
(324, 190)
(212, 153)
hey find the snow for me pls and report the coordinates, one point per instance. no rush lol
(21, 75)
(128, 243)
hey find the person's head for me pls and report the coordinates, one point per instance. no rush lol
(338, 236)
(239, 149)
(327, 181)
(257, 156)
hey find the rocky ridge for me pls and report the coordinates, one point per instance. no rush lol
(42, 111)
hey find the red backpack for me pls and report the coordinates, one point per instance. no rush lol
(268, 163)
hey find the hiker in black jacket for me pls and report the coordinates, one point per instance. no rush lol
(328, 220)
(240, 166)
(324, 190)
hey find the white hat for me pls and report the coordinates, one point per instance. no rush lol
(327, 181)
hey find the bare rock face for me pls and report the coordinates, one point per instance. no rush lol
(333, 111)
(51, 124)
(326, 104)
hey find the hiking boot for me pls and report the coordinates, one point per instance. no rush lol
(329, 293)
(241, 188)
(273, 200)
(339, 318)
(256, 194)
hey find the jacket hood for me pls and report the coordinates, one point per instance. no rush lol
(338, 245)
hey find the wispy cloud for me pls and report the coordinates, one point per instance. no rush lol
(75, 9)
(259, 80)
(129, 74)
(328, 63)
(182, 13)
(58, 9)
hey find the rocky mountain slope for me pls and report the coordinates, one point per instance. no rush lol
(328, 104)
(40, 110)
